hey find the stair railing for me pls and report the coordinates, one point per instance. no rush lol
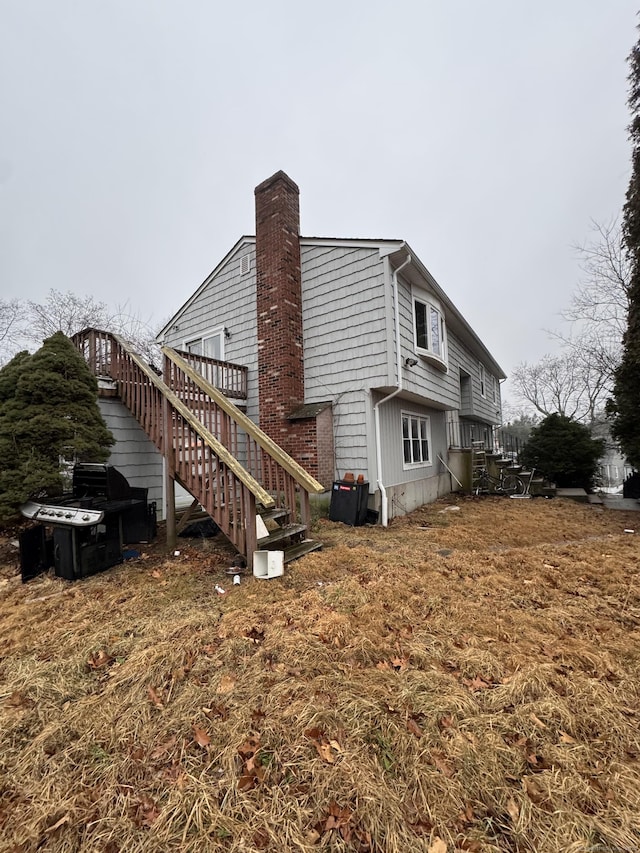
(286, 480)
(194, 456)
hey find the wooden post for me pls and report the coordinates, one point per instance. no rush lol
(305, 507)
(249, 511)
(169, 481)
(170, 502)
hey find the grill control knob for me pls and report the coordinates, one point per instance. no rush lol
(68, 515)
(86, 517)
(59, 513)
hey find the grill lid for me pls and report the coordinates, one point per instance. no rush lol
(94, 480)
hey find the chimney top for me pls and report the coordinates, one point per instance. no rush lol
(279, 177)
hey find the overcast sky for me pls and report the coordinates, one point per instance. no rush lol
(486, 134)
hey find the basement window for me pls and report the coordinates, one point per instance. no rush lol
(416, 440)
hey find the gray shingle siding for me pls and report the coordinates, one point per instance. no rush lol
(133, 454)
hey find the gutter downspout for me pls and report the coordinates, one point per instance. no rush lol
(376, 408)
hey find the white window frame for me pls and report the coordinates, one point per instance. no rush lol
(218, 332)
(423, 425)
(436, 344)
(483, 379)
(493, 382)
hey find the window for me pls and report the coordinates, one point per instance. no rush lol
(416, 440)
(210, 344)
(429, 328)
(483, 381)
(492, 385)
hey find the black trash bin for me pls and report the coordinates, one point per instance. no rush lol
(349, 502)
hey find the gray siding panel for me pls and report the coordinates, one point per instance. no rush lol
(475, 405)
(438, 386)
(350, 433)
(345, 342)
(394, 471)
(344, 320)
(227, 299)
(133, 454)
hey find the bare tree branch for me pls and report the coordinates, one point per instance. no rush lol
(12, 327)
(565, 384)
(26, 324)
(578, 382)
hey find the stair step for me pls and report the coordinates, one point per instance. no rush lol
(280, 534)
(274, 514)
(302, 548)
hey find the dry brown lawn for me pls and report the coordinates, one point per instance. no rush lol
(465, 680)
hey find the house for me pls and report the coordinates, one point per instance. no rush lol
(356, 359)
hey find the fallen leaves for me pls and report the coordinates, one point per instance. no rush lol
(163, 749)
(145, 812)
(327, 748)
(201, 737)
(253, 771)
(477, 683)
(533, 790)
(154, 697)
(395, 664)
(341, 821)
(17, 699)
(414, 728)
(220, 711)
(513, 809)
(565, 738)
(226, 684)
(442, 764)
(100, 659)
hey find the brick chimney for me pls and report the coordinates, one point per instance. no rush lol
(305, 432)
(279, 306)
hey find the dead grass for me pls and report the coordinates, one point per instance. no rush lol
(465, 680)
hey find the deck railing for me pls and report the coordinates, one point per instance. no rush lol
(462, 434)
(193, 454)
(229, 378)
(287, 482)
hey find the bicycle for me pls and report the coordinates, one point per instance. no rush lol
(505, 484)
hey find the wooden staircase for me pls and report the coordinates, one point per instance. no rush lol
(233, 470)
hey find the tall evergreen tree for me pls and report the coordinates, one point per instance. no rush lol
(48, 412)
(564, 451)
(625, 405)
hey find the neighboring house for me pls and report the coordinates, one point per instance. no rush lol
(357, 359)
(613, 468)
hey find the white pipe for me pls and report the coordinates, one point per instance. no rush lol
(376, 409)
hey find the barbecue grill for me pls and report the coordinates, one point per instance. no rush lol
(85, 531)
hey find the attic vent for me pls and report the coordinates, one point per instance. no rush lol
(245, 264)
